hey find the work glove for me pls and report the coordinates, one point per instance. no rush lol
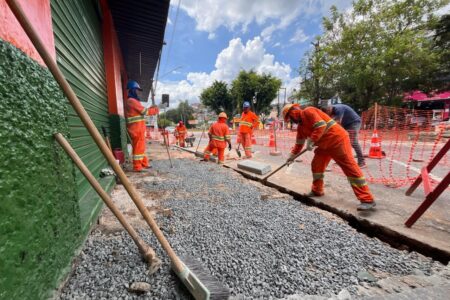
(309, 145)
(291, 158)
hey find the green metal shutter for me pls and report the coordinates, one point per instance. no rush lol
(79, 51)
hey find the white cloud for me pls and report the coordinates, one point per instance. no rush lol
(169, 22)
(299, 36)
(211, 14)
(211, 36)
(230, 61)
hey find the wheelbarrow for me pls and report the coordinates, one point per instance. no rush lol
(190, 140)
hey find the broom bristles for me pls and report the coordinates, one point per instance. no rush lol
(200, 283)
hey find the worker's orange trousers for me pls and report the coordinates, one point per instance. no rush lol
(181, 138)
(211, 149)
(140, 160)
(342, 155)
(246, 141)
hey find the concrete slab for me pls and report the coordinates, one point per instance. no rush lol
(256, 167)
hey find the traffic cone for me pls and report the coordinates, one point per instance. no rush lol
(271, 140)
(273, 146)
(375, 146)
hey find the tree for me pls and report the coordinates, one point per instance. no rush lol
(249, 84)
(373, 53)
(183, 112)
(218, 98)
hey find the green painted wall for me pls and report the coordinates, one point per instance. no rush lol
(39, 213)
(118, 134)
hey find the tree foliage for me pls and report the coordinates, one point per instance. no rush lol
(249, 84)
(217, 97)
(220, 97)
(373, 53)
(183, 112)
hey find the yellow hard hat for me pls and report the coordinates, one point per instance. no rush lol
(223, 115)
(286, 110)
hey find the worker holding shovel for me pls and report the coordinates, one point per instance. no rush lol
(316, 128)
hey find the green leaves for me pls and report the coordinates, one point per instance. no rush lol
(248, 84)
(374, 53)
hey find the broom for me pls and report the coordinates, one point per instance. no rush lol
(199, 283)
(145, 250)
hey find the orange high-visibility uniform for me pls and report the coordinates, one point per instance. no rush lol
(219, 136)
(180, 134)
(135, 113)
(249, 120)
(332, 142)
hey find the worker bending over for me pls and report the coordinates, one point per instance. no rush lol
(135, 113)
(219, 136)
(249, 120)
(317, 129)
(349, 119)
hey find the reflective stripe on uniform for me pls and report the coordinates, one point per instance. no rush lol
(218, 138)
(357, 181)
(227, 137)
(300, 141)
(319, 124)
(138, 157)
(248, 148)
(246, 123)
(317, 176)
(135, 119)
(330, 124)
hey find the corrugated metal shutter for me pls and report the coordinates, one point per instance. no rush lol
(78, 40)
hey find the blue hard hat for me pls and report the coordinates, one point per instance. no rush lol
(246, 104)
(132, 85)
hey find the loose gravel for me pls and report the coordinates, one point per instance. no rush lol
(261, 246)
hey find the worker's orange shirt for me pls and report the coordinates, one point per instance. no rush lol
(220, 134)
(249, 120)
(319, 127)
(135, 113)
(180, 129)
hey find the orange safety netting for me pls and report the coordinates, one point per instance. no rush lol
(409, 139)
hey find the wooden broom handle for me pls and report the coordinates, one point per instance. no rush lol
(145, 250)
(93, 131)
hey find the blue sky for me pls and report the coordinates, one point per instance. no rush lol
(214, 39)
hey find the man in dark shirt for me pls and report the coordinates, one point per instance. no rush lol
(349, 119)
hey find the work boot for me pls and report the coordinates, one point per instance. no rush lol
(366, 206)
(362, 165)
(312, 194)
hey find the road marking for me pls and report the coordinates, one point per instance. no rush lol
(418, 171)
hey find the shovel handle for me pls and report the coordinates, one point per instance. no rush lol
(283, 165)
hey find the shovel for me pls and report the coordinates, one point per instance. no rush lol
(287, 163)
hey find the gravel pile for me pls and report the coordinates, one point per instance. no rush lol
(258, 245)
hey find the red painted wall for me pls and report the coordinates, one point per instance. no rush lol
(114, 66)
(39, 14)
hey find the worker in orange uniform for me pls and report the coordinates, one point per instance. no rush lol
(135, 113)
(316, 128)
(219, 136)
(249, 121)
(180, 133)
